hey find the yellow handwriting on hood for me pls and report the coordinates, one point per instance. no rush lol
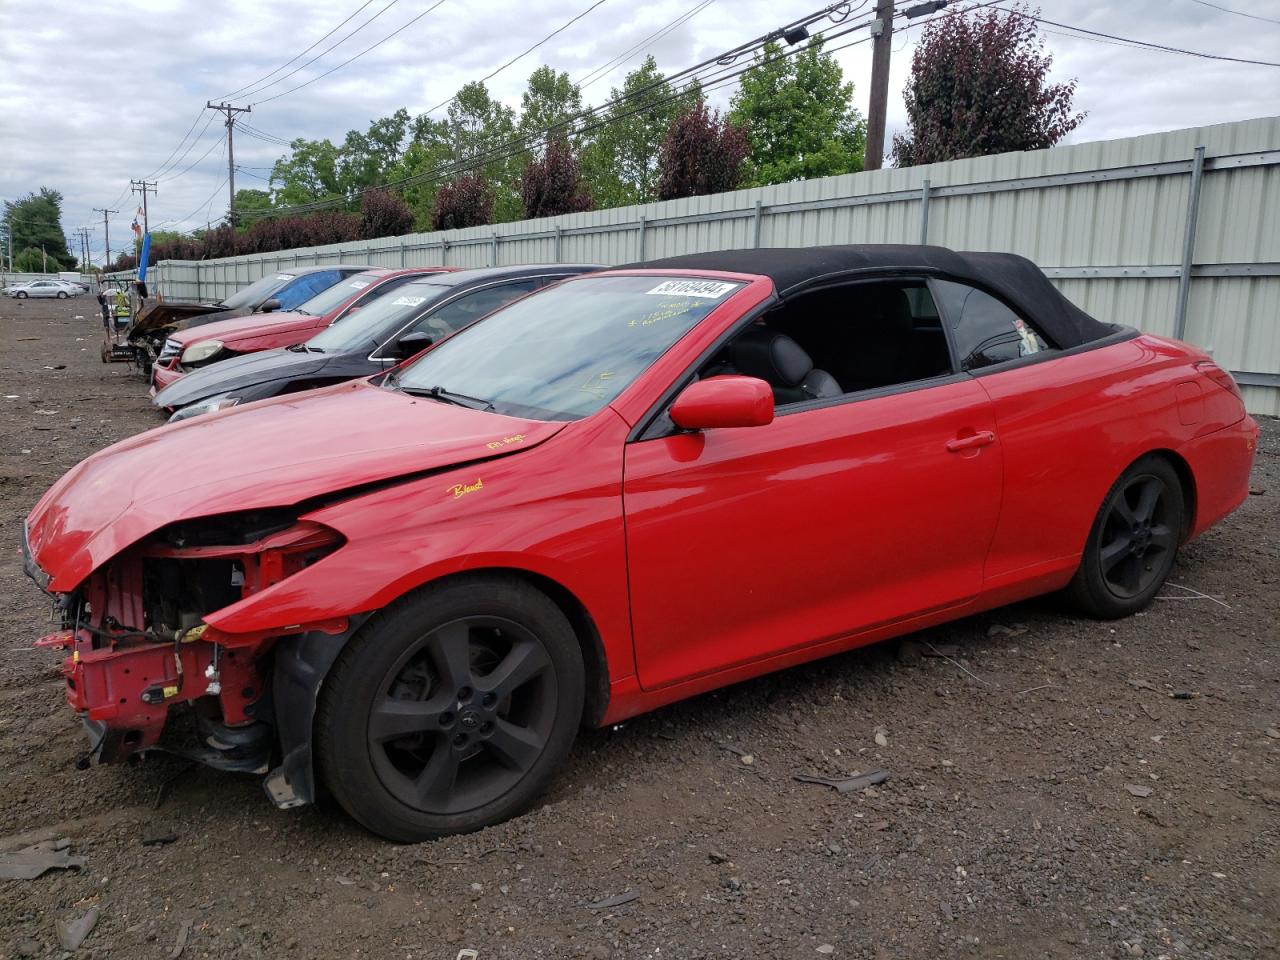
(462, 489)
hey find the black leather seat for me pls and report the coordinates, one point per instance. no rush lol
(879, 338)
(783, 364)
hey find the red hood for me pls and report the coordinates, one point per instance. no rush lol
(273, 453)
(254, 325)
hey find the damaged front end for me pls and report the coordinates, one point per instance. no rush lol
(146, 671)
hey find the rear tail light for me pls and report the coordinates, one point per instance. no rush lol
(1220, 377)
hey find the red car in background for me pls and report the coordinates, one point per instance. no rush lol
(629, 488)
(200, 346)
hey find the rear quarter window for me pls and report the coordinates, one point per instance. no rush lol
(984, 331)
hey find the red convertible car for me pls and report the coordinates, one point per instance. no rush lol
(196, 347)
(629, 488)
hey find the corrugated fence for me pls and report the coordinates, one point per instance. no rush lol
(1177, 233)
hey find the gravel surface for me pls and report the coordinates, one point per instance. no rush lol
(1058, 787)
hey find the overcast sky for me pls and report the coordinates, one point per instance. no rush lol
(94, 94)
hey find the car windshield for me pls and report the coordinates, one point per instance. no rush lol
(334, 296)
(374, 322)
(566, 352)
(257, 292)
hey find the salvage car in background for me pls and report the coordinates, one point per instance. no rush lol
(282, 290)
(45, 288)
(210, 343)
(385, 332)
(627, 489)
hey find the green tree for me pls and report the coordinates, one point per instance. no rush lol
(31, 260)
(36, 222)
(365, 159)
(476, 125)
(548, 102)
(309, 173)
(620, 163)
(428, 151)
(248, 204)
(799, 116)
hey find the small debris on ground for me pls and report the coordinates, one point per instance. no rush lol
(72, 933)
(183, 932)
(846, 784)
(1138, 790)
(159, 839)
(882, 737)
(1001, 630)
(614, 901)
(29, 863)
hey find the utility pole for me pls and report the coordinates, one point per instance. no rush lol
(143, 187)
(230, 124)
(106, 232)
(881, 48)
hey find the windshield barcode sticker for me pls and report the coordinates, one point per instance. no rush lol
(711, 289)
(408, 301)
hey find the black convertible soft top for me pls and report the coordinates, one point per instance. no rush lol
(1012, 278)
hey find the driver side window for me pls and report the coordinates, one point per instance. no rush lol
(841, 340)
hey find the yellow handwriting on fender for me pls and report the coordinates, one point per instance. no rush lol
(462, 489)
(505, 441)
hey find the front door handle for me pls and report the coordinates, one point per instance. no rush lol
(980, 439)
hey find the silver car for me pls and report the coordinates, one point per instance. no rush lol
(45, 288)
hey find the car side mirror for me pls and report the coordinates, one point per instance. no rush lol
(727, 401)
(412, 343)
(269, 305)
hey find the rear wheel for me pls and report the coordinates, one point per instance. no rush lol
(1133, 542)
(451, 710)
(62, 294)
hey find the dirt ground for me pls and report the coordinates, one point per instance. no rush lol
(1009, 827)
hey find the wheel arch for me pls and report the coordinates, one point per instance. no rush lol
(1187, 479)
(302, 664)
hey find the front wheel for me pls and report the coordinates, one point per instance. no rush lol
(1131, 547)
(21, 295)
(451, 710)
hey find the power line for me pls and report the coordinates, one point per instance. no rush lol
(197, 162)
(1142, 43)
(600, 72)
(522, 143)
(160, 169)
(367, 49)
(191, 146)
(254, 89)
(560, 29)
(235, 93)
(1238, 13)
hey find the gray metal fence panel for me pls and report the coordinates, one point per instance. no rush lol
(1108, 221)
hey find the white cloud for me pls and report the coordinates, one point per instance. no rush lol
(92, 97)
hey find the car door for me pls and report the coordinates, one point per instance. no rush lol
(42, 288)
(843, 514)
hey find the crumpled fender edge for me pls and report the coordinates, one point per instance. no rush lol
(301, 664)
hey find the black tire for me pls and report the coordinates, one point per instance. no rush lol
(62, 294)
(21, 294)
(416, 742)
(1133, 542)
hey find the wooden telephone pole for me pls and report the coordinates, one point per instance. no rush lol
(230, 124)
(106, 232)
(882, 47)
